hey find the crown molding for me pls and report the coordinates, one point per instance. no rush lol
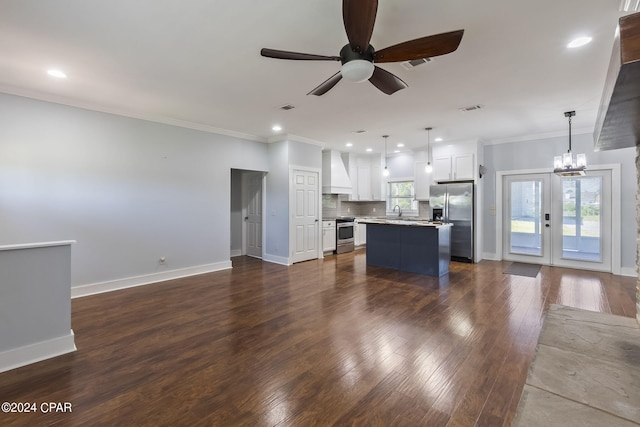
(55, 99)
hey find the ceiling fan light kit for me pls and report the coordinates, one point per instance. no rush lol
(359, 57)
(357, 70)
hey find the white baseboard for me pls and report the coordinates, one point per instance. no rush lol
(236, 252)
(628, 271)
(130, 282)
(276, 259)
(37, 352)
(491, 256)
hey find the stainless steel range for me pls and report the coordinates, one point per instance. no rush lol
(345, 234)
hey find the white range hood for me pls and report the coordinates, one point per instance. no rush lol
(335, 179)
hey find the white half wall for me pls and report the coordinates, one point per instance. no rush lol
(35, 303)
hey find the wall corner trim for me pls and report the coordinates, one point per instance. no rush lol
(37, 352)
(276, 259)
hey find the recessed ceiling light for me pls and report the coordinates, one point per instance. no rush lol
(276, 128)
(578, 42)
(438, 140)
(400, 145)
(369, 149)
(57, 74)
(396, 151)
(348, 144)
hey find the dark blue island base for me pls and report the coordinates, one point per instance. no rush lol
(416, 249)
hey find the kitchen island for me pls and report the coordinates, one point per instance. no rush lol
(415, 246)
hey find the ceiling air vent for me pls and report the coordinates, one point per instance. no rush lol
(415, 62)
(470, 108)
(629, 5)
(287, 107)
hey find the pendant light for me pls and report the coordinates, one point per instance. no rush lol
(428, 168)
(566, 165)
(385, 172)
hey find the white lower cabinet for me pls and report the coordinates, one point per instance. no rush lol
(360, 234)
(328, 236)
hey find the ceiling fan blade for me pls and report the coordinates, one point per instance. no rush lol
(327, 85)
(359, 16)
(386, 82)
(283, 54)
(425, 47)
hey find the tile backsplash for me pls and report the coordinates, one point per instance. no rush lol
(335, 205)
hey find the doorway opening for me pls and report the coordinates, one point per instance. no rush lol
(247, 217)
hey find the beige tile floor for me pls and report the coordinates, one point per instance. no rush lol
(586, 372)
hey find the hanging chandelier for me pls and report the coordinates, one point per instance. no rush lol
(567, 165)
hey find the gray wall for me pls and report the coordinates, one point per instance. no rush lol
(538, 154)
(277, 202)
(128, 191)
(236, 210)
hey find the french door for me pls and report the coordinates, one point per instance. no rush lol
(563, 221)
(527, 218)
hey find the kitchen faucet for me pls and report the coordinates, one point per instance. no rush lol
(399, 210)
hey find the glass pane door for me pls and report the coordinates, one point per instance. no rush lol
(582, 204)
(527, 225)
(526, 221)
(581, 221)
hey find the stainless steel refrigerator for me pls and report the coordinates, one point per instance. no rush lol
(454, 203)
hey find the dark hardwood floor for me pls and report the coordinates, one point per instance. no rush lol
(326, 342)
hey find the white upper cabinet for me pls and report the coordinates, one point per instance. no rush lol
(442, 168)
(452, 166)
(462, 166)
(366, 177)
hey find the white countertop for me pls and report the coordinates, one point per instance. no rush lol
(405, 222)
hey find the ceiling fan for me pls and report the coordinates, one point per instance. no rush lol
(358, 56)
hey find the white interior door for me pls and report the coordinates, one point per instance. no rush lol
(305, 215)
(526, 218)
(252, 184)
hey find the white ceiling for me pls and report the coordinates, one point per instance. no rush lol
(197, 63)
